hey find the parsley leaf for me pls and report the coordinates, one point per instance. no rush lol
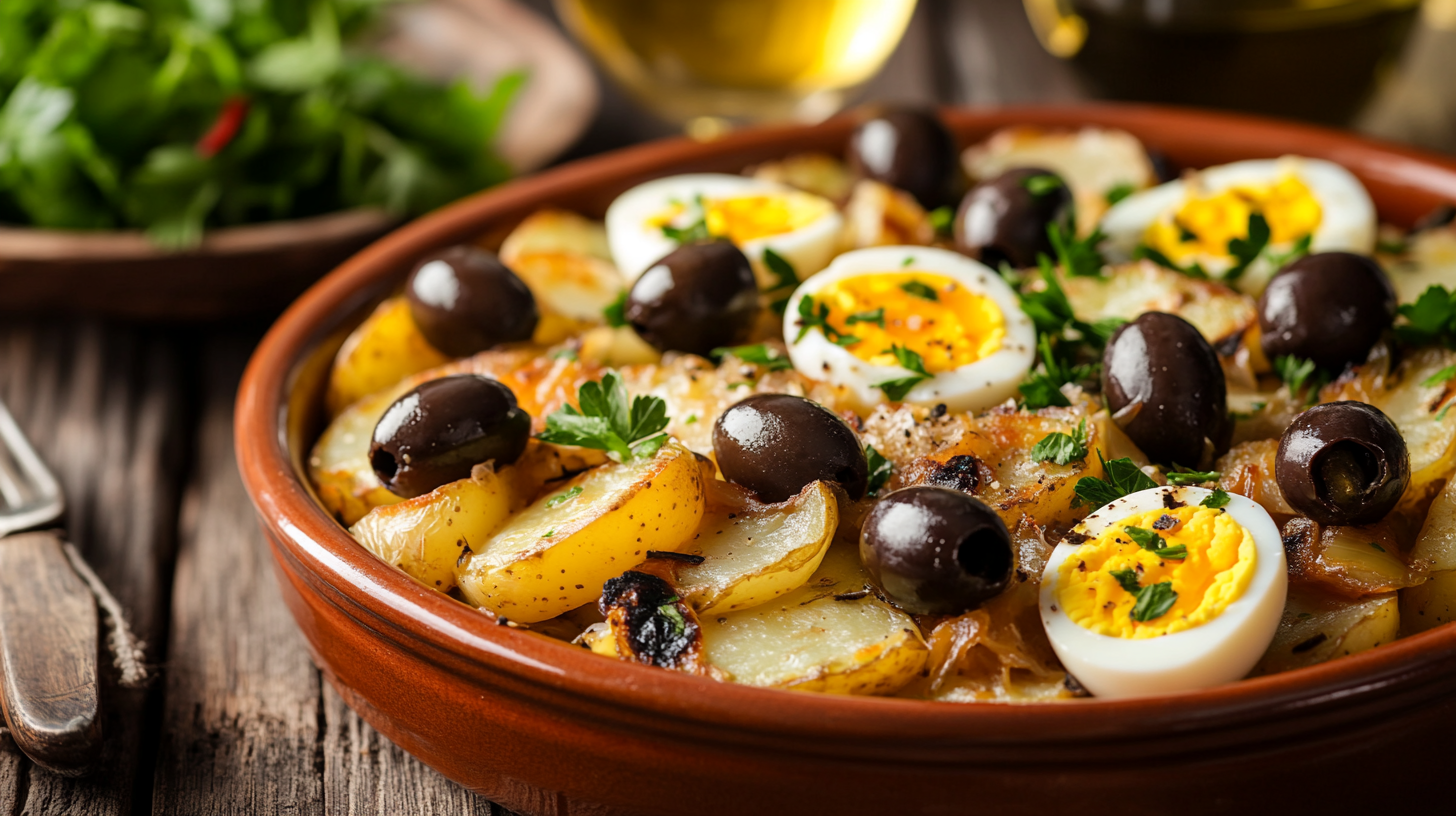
(1431, 318)
(606, 421)
(1155, 544)
(1247, 250)
(1042, 184)
(1189, 477)
(1079, 256)
(816, 315)
(1194, 270)
(1440, 377)
(876, 316)
(1061, 448)
(1154, 601)
(1123, 478)
(1044, 386)
(941, 219)
(565, 354)
(563, 498)
(759, 354)
(919, 290)
(1127, 579)
(1299, 374)
(696, 230)
(670, 611)
(895, 390)
(1218, 498)
(1299, 250)
(615, 314)
(781, 269)
(1118, 192)
(880, 470)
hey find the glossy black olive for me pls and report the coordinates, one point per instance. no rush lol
(936, 551)
(1165, 388)
(436, 433)
(775, 444)
(910, 149)
(465, 300)
(1006, 218)
(697, 298)
(1342, 464)
(1330, 307)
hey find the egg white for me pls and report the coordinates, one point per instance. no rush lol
(637, 244)
(971, 387)
(1347, 222)
(1220, 651)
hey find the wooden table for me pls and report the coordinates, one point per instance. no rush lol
(137, 421)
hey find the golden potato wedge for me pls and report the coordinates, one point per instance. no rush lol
(556, 554)
(1428, 605)
(384, 349)
(565, 261)
(620, 346)
(1434, 602)
(1317, 627)
(1417, 409)
(817, 173)
(753, 552)
(832, 635)
(427, 535)
(1429, 260)
(339, 464)
(1436, 543)
(1129, 290)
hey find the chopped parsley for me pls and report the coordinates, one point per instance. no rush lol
(880, 470)
(1189, 477)
(1432, 318)
(670, 611)
(616, 314)
(895, 390)
(1156, 544)
(1299, 250)
(563, 498)
(1153, 601)
(1247, 250)
(1079, 256)
(781, 269)
(1042, 184)
(876, 316)
(607, 421)
(1218, 498)
(1118, 192)
(919, 290)
(758, 354)
(1300, 374)
(1124, 477)
(812, 315)
(909, 259)
(1377, 546)
(1440, 377)
(1044, 386)
(1061, 448)
(696, 230)
(1389, 247)
(1194, 270)
(941, 219)
(549, 533)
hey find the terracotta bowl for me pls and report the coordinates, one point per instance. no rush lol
(546, 728)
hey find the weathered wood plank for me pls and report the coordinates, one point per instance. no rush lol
(240, 728)
(103, 405)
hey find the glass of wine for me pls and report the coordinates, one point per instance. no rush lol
(706, 64)
(1309, 59)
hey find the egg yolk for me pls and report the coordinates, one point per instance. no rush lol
(1204, 225)
(1215, 572)
(935, 316)
(745, 218)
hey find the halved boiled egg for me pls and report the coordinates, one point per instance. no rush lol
(650, 220)
(911, 324)
(1165, 590)
(1193, 220)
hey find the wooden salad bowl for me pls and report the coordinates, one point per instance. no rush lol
(547, 728)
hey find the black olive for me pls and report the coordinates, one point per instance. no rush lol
(936, 551)
(1006, 218)
(1165, 388)
(1330, 307)
(465, 300)
(910, 149)
(697, 298)
(436, 433)
(775, 444)
(1342, 464)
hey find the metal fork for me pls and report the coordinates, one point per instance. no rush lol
(48, 626)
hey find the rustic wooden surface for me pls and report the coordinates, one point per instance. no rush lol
(137, 420)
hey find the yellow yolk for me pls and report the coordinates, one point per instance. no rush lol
(1204, 225)
(745, 218)
(1215, 573)
(957, 328)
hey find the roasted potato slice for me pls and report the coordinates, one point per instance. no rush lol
(817, 173)
(556, 554)
(1434, 602)
(1248, 470)
(1318, 626)
(617, 346)
(339, 464)
(427, 535)
(384, 349)
(832, 635)
(880, 215)
(565, 261)
(1351, 561)
(1429, 260)
(1414, 396)
(1129, 290)
(753, 552)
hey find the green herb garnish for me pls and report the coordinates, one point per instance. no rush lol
(549, 533)
(1079, 256)
(1042, 184)
(1218, 498)
(1377, 546)
(565, 354)
(895, 390)
(880, 470)
(1300, 249)
(1440, 377)
(1123, 478)
(1043, 387)
(606, 421)
(1189, 477)
(1389, 247)
(563, 498)
(812, 315)
(782, 270)
(615, 314)
(1247, 250)
(1119, 192)
(670, 611)
(758, 354)
(1432, 318)
(1194, 270)
(876, 317)
(1300, 374)
(1061, 448)
(1152, 601)
(696, 230)
(941, 219)
(919, 290)
(1156, 544)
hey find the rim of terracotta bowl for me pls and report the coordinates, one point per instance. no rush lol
(423, 620)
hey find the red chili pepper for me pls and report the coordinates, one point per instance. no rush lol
(229, 121)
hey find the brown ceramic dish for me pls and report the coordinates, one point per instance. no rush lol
(543, 727)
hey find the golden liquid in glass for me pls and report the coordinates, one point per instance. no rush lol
(752, 60)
